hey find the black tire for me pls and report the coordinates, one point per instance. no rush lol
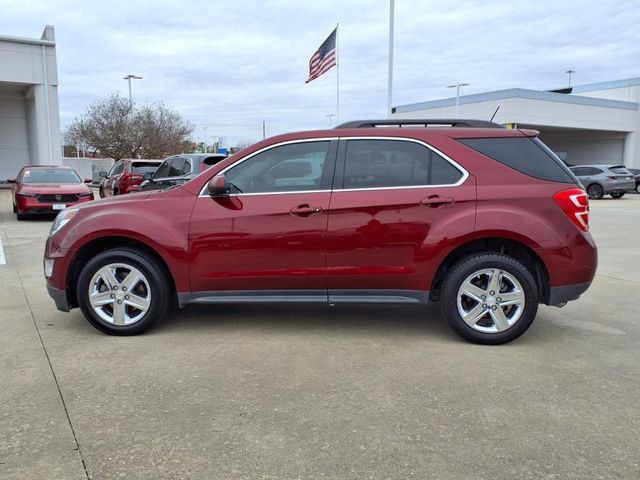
(159, 291)
(617, 194)
(115, 192)
(638, 188)
(15, 210)
(21, 216)
(475, 263)
(595, 191)
(101, 192)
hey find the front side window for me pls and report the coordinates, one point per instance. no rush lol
(177, 167)
(163, 169)
(395, 163)
(287, 168)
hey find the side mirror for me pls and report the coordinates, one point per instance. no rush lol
(148, 175)
(217, 186)
(11, 180)
(88, 180)
(103, 174)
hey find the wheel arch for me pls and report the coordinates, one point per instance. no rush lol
(101, 244)
(513, 248)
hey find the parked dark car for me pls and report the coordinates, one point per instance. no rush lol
(601, 180)
(485, 220)
(636, 176)
(47, 189)
(125, 176)
(179, 169)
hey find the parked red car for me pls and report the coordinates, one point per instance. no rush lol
(486, 220)
(126, 176)
(47, 189)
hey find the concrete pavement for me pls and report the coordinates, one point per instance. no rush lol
(287, 392)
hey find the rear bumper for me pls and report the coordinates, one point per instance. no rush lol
(60, 298)
(562, 294)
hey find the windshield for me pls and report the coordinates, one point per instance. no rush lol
(50, 175)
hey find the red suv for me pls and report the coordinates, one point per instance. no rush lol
(126, 176)
(485, 220)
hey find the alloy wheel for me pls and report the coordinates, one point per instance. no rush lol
(490, 300)
(119, 294)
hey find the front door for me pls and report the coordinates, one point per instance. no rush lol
(394, 204)
(268, 236)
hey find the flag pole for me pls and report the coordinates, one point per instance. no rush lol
(390, 88)
(337, 73)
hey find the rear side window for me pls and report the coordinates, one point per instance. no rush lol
(395, 163)
(526, 155)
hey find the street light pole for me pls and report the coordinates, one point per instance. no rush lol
(570, 72)
(457, 87)
(205, 140)
(128, 78)
(330, 117)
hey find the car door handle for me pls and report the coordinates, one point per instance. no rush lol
(436, 201)
(305, 210)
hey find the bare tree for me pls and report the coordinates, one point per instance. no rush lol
(119, 129)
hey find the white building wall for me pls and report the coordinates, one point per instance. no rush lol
(14, 146)
(28, 85)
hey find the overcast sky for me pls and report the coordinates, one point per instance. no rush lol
(228, 65)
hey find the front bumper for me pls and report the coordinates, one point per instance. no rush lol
(33, 205)
(60, 298)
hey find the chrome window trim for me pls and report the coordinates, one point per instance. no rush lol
(458, 167)
(288, 142)
(465, 173)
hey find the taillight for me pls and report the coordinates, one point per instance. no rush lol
(575, 204)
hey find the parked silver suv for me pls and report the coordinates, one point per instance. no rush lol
(601, 180)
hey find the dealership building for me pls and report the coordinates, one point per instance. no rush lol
(597, 123)
(29, 114)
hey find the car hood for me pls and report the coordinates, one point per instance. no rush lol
(53, 188)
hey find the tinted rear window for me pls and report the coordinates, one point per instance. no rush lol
(526, 155)
(144, 167)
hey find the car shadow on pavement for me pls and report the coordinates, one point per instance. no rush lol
(384, 320)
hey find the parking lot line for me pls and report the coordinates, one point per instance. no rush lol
(3, 260)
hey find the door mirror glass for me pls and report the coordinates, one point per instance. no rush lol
(11, 180)
(103, 174)
(218, 186)
(148, 175)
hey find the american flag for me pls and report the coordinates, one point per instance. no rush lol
(324, 58)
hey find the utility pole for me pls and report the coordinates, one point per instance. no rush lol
(264, 130)
(128, 78)
(390, 78)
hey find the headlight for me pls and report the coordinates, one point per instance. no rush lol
(62, 219)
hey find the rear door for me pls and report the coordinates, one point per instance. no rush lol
(394, 204)
(268, 236)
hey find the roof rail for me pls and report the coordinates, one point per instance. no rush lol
(420, 122)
